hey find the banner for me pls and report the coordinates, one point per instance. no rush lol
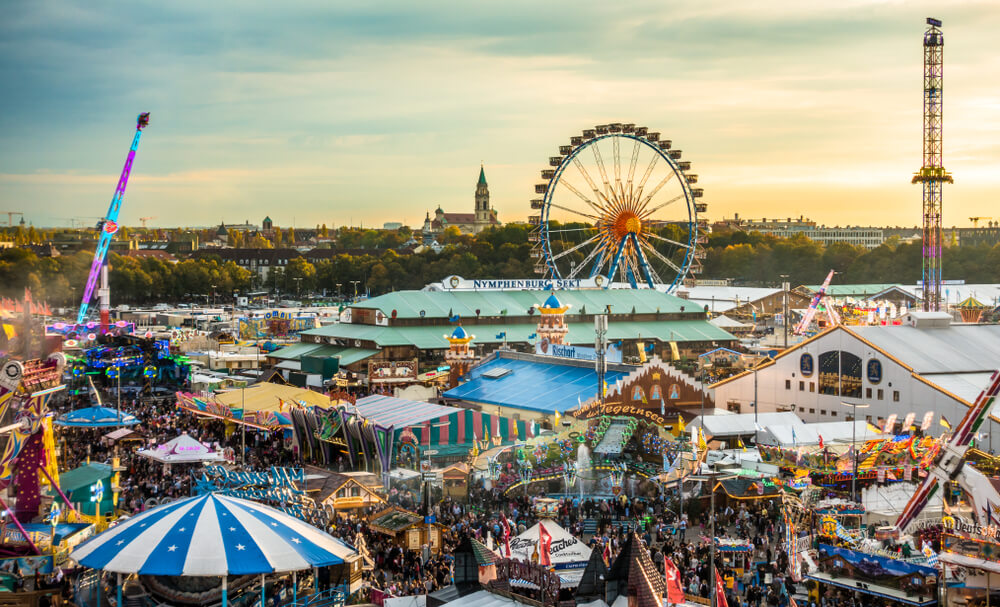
(720, 591)
(928, 419)
(890, 424)
(675, 592)
(544, 348)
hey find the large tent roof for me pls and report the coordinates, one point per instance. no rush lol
(390, 411)
(267, 396)
(211, 535)
(731, 426)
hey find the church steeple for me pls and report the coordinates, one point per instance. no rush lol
(482, 201)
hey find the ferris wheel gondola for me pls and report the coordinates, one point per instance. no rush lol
(619, 207)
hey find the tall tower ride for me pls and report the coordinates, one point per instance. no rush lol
(932, 174)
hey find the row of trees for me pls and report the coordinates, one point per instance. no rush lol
(500, 253)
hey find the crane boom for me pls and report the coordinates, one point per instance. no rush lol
(108, 227)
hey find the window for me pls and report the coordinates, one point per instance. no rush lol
(868, 392)
(895, 396)
(812, 386)
(654, 392)
(822, 411)
(802, 386)
(812, 410)
(833, 413)
(879, 394)
(788, 384)
(637, 393)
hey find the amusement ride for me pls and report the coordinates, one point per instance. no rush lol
(619, 206)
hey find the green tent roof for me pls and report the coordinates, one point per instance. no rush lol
(433, 337)
(295, 351)
(438, 304)
(868, 290)
(84, 476)
(482, 175)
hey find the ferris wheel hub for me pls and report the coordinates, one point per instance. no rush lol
(626, 223)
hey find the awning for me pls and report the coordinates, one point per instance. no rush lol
(885, 592)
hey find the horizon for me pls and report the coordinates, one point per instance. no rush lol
(314, 113)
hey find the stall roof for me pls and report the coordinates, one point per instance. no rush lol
(266, 396)
(537, 383)
(742, 424)
(84, 476)
(295, 351)
(398, 412)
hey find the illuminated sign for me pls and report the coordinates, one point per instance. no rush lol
(618, 409)
(279, 486)
(543, 347)
(457, 283)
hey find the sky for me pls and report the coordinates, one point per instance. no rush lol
(360, 113)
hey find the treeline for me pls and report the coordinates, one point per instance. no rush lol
(751, 259)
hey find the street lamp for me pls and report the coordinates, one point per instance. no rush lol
(213, 296)
(785, 285)
(713, 478)
(339, 284)
(854, 445)
(355, 283)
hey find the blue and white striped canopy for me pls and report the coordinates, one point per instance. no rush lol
(210, 535)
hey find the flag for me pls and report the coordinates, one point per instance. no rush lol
(945, 424)
(928, 418)
(663, 406)
(680, 424)
(501, 335)
(701, 439)
(908, 420)
(739, 443)
(720, 591)
(794, 440)
(890, 424)
(675, 592)
(505, 529)
(606, 554)
(558, 417)
(533, 336)
(932, 557)
(544, 546)
(821, 446)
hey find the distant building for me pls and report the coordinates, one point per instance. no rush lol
(392, 225)
(484, 216)
(259, 261)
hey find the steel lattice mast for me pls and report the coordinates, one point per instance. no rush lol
(107, 228)
(932, 174)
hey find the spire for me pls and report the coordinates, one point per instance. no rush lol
(482, 175)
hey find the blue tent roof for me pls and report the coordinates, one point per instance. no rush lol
(96, 417)
(531, 384)
(459, 333)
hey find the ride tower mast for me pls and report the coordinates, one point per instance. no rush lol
(932, 174)
(107, 228)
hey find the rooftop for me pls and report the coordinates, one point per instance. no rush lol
(539, 383)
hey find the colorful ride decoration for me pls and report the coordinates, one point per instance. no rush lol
(207, 407)
(279, 323)
(26, 388)
(895, 453)
(570, 473)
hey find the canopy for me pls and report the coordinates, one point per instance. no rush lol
(568, 552)
(183, 450)
(96, 417)
(268, 396)
(234, 537)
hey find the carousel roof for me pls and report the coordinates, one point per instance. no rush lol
(96, 417)
(234, 537)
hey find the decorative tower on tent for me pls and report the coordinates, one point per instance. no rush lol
(460, 356)
(932, 176)
(552, 327)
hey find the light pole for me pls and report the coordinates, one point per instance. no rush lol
(298, 287)
(213, 296)
(355, 283)
(785, 285)
(854, 445)
(713, 478)
(339, 284)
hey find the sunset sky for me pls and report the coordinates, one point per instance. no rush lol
(357, 112)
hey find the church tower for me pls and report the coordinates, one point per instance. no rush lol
(483, 210)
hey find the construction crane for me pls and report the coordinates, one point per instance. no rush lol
(10, 216)
(143, 220)
(932, 175)
(975, 220)
(108, 227)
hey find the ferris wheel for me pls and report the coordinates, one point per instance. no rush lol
(619, 208)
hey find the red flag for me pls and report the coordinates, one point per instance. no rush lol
(544, 546)
(720, 591)
(606, 554)
(675, 593)
(506, 534)
(821, 442)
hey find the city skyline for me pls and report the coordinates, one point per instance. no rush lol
(317, 113)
